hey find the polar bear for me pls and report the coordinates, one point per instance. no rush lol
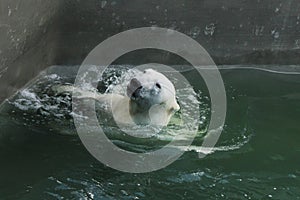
(150, 100)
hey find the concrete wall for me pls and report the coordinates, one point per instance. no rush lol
(27, 41)
(35, 34)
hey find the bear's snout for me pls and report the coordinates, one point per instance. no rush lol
(136, 89)
(132, 87)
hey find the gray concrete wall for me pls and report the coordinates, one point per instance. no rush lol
(35, 34)
(27, 41)
(233, 31)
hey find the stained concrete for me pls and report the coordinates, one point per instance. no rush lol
(35, 34)
(28, 41)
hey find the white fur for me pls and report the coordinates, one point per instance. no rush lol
(150, 99)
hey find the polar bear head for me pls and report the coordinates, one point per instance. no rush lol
(152, 98)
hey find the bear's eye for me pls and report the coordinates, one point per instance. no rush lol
(158, 85)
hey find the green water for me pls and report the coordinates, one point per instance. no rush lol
(257, 156)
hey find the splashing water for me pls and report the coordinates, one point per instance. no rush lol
(56, 165)
(42, 109)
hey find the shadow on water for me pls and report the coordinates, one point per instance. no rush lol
(257, 156)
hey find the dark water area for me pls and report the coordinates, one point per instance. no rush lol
(257, 156)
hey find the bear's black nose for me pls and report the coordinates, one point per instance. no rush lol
(136, 93)
(133, 87)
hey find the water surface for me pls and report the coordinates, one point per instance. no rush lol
(257, 156)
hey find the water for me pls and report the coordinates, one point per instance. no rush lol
(257, 156)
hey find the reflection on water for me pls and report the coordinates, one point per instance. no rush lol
(257, 156)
